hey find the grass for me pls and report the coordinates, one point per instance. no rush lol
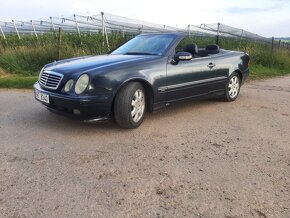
(261, 72)
(21, 60)
(19, 82)
(28, 55)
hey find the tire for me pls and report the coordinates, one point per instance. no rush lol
(232, 88)
(130, 105)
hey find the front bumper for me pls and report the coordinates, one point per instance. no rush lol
(83, 107)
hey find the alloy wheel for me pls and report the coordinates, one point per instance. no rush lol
(137, 105)
(234, 86)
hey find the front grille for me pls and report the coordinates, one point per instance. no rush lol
(50, 79)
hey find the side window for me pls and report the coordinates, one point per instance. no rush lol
(182, 44)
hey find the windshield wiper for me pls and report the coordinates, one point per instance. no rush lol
(139, 53)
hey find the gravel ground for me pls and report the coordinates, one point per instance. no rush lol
(202, 159)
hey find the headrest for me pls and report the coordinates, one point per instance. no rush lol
(212, 49)
(191, 48)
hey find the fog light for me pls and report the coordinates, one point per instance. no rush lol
(76, 112)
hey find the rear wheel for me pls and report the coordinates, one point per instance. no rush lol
(232, 88)
(130, 105)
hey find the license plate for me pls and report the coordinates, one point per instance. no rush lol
(42, 96)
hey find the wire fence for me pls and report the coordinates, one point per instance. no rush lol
(109, 23)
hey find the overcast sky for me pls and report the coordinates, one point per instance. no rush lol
(264, 17)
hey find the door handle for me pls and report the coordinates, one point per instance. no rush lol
(211, 65)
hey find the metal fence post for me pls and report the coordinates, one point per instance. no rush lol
(33, 27)
(241, 37)
(103, 27)
(59, 42)
(52, 25)
(104, 32)
(188, 29)
(103, 24)
(16, 29)
(2, 33)
(107, 39)
(218, 34)
(77, 26)
(272, 43)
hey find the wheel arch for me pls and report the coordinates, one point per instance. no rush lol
(149, 94)
(239, 73)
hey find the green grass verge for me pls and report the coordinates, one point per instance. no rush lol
(19, 82)
(261, 72)
(22, 60)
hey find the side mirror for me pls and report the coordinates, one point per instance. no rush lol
(182, 56)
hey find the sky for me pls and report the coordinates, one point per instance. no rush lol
(263, 17)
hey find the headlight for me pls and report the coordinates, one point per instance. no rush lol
(40, 73)
(82, 84)
(68, 86)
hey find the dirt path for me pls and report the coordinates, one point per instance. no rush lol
(204, 159)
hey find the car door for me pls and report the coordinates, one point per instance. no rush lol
(191, 78)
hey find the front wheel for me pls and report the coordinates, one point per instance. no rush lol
(232, 88)
(130, 105)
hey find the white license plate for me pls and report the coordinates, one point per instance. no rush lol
(42, 96)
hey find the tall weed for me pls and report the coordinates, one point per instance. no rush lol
(28, 55)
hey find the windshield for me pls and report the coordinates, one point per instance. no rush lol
(146, 45)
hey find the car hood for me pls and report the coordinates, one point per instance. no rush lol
(90, 63)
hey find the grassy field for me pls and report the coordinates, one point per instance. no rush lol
(21, 60)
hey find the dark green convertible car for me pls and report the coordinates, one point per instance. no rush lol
(148, 72)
